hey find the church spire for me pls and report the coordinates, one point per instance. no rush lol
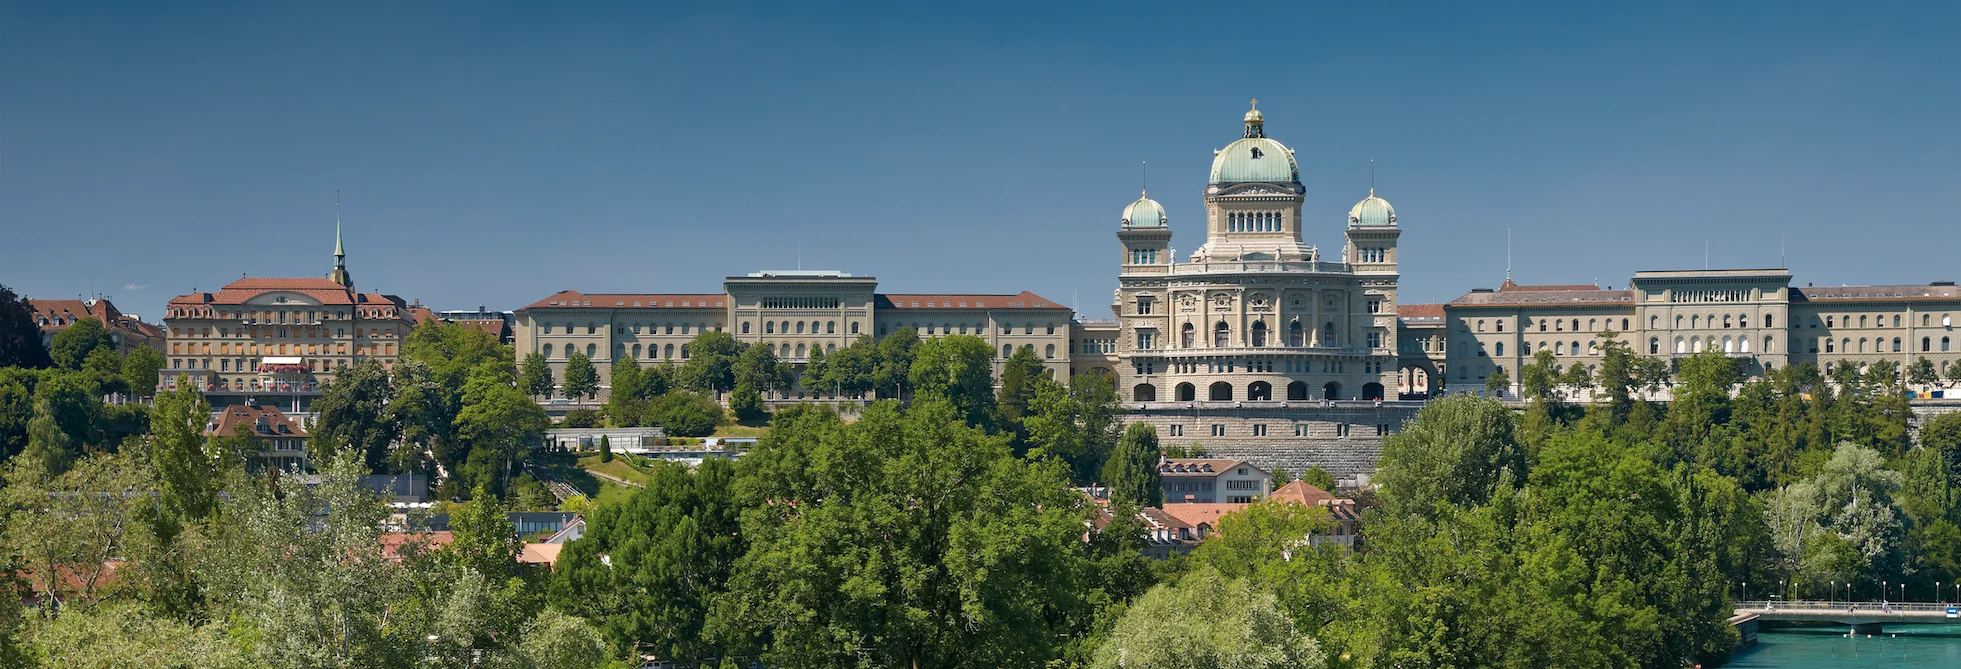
(340, 274)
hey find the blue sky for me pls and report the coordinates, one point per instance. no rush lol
(494, 154)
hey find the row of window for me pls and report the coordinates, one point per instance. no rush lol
(1143, 256)
(1296, 335)
(275, 333)
(1372, 255)
(180, 348)
(771, 327)
(1254, 221)
(289, 317)
(1260, 430)
(1009, 349)
(1257, 391)
(1845, 345)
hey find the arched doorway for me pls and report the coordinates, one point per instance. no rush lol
(1331, 391)
(1187, 392)
(1371, 391)
(1221, 392)
(1259, 391)
(1297, 391)
(1144, 392)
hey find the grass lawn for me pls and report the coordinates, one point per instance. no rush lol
(617, 468)
(734, 430)
(610, 492)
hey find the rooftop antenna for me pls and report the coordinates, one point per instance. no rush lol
(1147, 178)
(1508, 249)
(1705, 255)
(1780, 252)
(1371, 177)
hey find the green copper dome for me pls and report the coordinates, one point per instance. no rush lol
(1144, 213)
(1254, 158)
(1372, 211)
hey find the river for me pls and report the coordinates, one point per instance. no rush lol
(1900, 647)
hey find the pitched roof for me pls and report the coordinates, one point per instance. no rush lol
(545, 554)
(1197, 466)
(1419, 311)
(1300, 492)
(1875, 293)
(1508, 286)
(324, 291)
(277, 424)
(1560, 296)
(572, 299)
(1021, 300)
(1197, 513)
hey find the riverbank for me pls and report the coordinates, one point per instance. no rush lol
(1904, 647)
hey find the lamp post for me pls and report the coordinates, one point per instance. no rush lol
(1882, 592)
(1746, 591)
(1831, 593)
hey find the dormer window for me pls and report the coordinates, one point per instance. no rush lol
(1256, 153)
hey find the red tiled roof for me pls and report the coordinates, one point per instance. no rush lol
(1419, 311)
(393, 544)
(1197, 513)
(1021, 300)
(277, 424)
(323, 290)
(572, 299)
(1300, 492)
(421, 314)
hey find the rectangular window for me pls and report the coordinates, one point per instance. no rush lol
(1259, 430)
(1218, 430)
(1143, 306)
(1177, 430)
(1375, 306)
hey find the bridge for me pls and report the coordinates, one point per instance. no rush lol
(1862, 617)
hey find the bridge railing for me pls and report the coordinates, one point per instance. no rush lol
(1843, 605)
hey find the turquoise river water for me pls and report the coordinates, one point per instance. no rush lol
(1901, 647)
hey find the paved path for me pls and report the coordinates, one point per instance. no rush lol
(615, 479)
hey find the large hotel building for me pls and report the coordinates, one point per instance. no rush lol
(1257, 345)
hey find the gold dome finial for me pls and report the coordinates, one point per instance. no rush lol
(1254, 120)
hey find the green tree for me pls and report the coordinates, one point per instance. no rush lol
(423, 415)
(500, 426)
(72, 346)
(1319, 478)
(20, 338)
(1617, 375)
(649, 568)
(70, 528)
(141, 369)
(552, 640)
(1954, 373)
(536, 377)
(959, 369)
(758, 367)
(1078, 424)
(892, 374)
(1132, 472)
(918, 552)
(184, 468)
(582, 418)
(1942, 434)
(581, 380)
(711, 362)
(1207, 621)
(626, 403)
(482, 537)
(1021, 374)
(1498, 382)
(747, 404)
(605, 449)
(352, 414)
(120, 635)
(685, 414)
(16, 410)
(1460, 450)
(1841, 524)
(1922, 372)
(67, 410)
(1539, 379)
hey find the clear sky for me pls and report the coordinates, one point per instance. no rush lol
(493, 155)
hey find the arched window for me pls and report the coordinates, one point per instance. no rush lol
(1654, 345)
(548, 350)
(1695, 322)
(1259, 333)
(1678, 321)
(1050, 352)
(1501, 349)
(784, 354)
(1480, 325)
(1623, 325)
(1943, 343)
(831, 347)
(1767, 347)
(1542, 325)
(1220, 392)
(1007, 350)
(1695, 344)
(854, 327)
(1926, 344)
(591, 349)
(1144, 392)
(1259, 391)
(1297, 391)
(1221, 334)
(1187, 392)
(1525, 349)
(684, 351)
(1896, 344)
(1501, 324)
(1654, 323)
(745, 327)
(1729, 346)
(1294, 334)
(1328, 334)
(799, 327)
(1593, 348)
(1743, 320)
(830, 327)
(1591, 324)
(1830, 346)
(1862, 320)
(1862, 344)
(1770, 320)
(636, 351)
(1187, 336)
(1830, 321)
(1726, 320)
(800, 350)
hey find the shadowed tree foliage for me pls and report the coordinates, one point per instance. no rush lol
(960, 370)
(20, 338)
(72, 346)
(1132, 472)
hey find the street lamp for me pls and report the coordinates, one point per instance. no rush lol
(1882, 592)
(1832, 592)
(1746, 591)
